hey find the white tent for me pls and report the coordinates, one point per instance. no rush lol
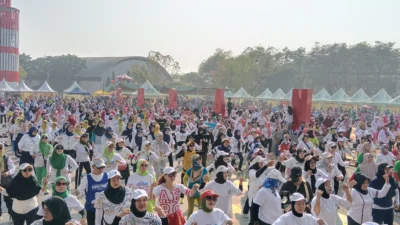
(4, 87)
(241, 93)
(322, 95)
(75, 89)
(360, 97)
(265, 95)
(395, 101)
(382, 97)
(228, 94)
(23, 88)
(149, 90)
(288, 95)
(45, 88)
(279, 94)
(340, 96)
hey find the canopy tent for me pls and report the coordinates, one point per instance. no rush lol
(288, 96)
(4, 87)
(279, 94)
(101, 93)
(75, 89)
(23, 88)
(123, 77)
(340, 96)
(395, 101)
(228, 94)
(382, 97)
(360, 97)
(149, 90)
(265, 95)
(45, 88)
(242, 94)
(322, 95)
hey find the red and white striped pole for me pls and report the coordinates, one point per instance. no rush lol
(9, 43)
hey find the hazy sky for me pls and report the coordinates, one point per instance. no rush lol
(191, 30)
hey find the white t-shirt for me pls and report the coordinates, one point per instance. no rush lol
(388, 158)
(72, 203)
(290, 219)
(225, 192)
(81, 154)
(200, 217)
(135, 181)
(270, 205)
(329, 207)
(169, 200)
(112, 164)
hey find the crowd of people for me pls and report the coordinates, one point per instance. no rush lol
(125, 161)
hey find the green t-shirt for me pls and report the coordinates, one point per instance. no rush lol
(360, 158)
(396, 167)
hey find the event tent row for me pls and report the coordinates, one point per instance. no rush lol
(360, 97)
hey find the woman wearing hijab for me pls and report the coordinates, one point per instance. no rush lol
(84, 152)
(7, 169)
(61, 164)
(23, 189)
(44, 129)
(98, 138)
(311, 173)
(366, 148)
(225, 189)
(41, 154)
(385, 156)
(72, 120)
(137, 142)
(362, 199)
(126, 154)
(221, 159)
(297, 161)
(325, 204)
(78, 130)
(128, 134)
(27, 143)
(139, 213)
(142, 179)
(110, 134)
(110, 202)
(60, 189)
(382, 209)
(162, 149)
(209, 213)
(111, 159)
(297, 215)
(266, 207)
(368, 167)
(148, 155)
(327, 167)
(56, 212)
(195, 175)
(68, 140)
(237, 144)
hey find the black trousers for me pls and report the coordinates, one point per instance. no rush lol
(350, 221)
(3, 118)
(171, 162)
(78, 173)
(125, 173)
(19, 219)
(90, 217)
(26, 158)
(269, 142)
(8, 202)
(383, 216)
(71, 153)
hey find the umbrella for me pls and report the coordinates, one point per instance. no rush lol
(367, 106)
(123, 77)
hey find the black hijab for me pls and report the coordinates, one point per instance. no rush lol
(237, 137)
(220, 179)
(298, 159)
(59, 210)
(313, 172)
(114, 195)
(220, 162)
(360, 179)
(138, 139)
(166, 137)
(135, 211)
(108, 129)
(22, 188)
(322, 188)
(128, 132)
(99, 131)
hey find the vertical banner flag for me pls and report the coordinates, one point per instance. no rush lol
(301, 103)
(219, 101)
(140, 97)
(173, 99)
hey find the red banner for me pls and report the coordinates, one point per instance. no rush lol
(119, 95)
(140, 97)
(219, 101)
(301, 102)
(173, 99)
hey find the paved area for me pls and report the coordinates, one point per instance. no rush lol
(239, 218)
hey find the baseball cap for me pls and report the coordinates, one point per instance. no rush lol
(296, 173)
(138, 193)
(99, 162)
(219, 153)
(225, 139)
(24, 166)
(320, 181)
(257, 159)
(222, 169)
(276, 174)
(207, 194)
(120, 140)
(108, 143)
(114, 173)
(169, 170)
(296, 197)
(147, 143)
(326, 155)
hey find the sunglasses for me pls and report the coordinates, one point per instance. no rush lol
(191, 146)
(333, 147)
(144, 165)
(172, 175)
(100, 168)
(61, 184)
(198, 158)
(60, 148)
(111, 146)
(211, 198)
(45, 138)
(27, 170)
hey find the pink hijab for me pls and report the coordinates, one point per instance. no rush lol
(369, 169)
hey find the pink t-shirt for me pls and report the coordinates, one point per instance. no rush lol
(169, 200)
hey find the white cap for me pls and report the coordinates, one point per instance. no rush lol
(147, 143)
(169, 170)
(276, 174)
(108, 143)
(341, 130)
(296, 197)
(138, 193)
(114, 173)
(219, 153)
(222, 169)
(120, 140)
(257, 159)
(326, 155)
(24, 165)
(225, 139)
(340, 139)
(320, 181)
(370, 223)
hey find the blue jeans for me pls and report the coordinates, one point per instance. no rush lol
(240, 155)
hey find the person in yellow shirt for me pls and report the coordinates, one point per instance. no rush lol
(187, 160)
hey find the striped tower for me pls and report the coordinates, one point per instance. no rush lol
(9, 42)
